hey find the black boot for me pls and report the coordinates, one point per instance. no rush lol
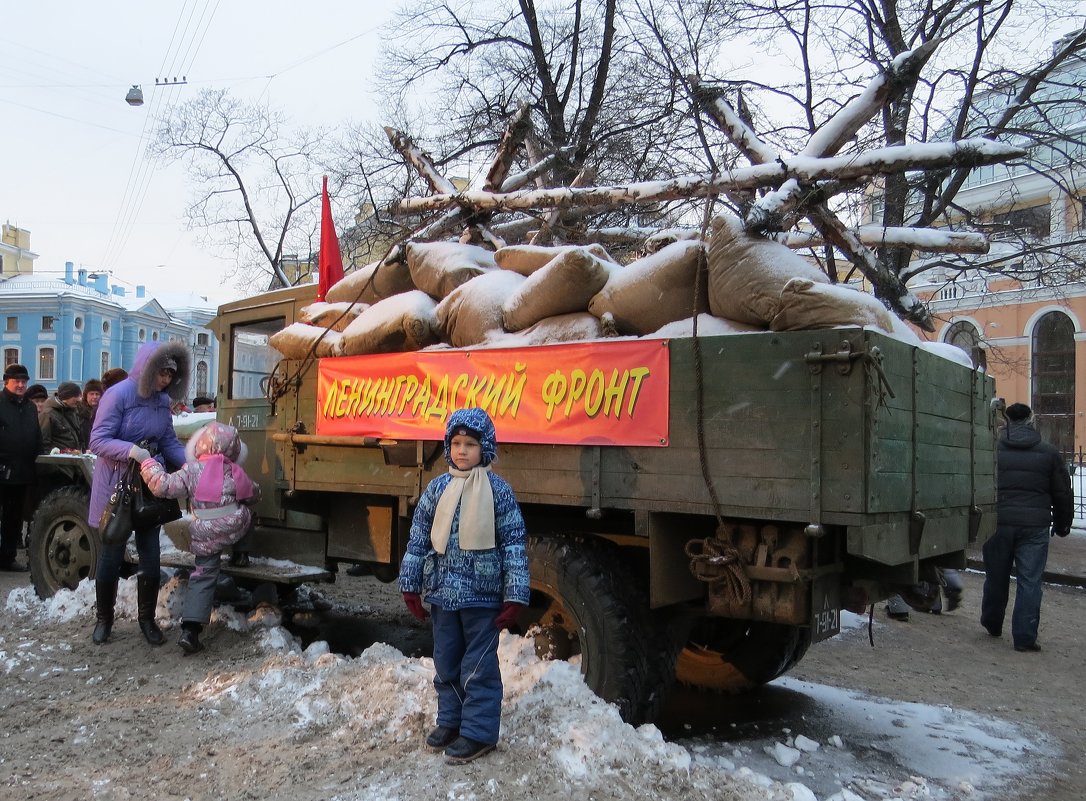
(190, 637)
(146, 602)
(105, 598)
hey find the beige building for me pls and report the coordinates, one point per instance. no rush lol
(16, 258)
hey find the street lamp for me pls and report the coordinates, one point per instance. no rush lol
(134, 96)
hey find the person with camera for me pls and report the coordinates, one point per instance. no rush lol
(20, 444)
(134, 418)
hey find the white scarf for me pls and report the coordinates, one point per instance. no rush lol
(471, 491)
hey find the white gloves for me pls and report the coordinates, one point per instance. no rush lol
(138, 453)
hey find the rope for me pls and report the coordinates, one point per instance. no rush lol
(719, 564)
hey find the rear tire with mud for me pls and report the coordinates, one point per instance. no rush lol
(63, 548)
(584, 604)
(734, 656)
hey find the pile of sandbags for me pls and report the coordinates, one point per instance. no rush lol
(466, 296)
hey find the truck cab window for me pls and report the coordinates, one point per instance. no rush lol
(251, 357)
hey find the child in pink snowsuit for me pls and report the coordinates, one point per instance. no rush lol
(219, 493)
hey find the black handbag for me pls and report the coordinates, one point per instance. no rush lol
(147, 510)
(116, 523)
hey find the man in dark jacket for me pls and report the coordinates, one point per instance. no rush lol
(20, 444)
(1034, 502)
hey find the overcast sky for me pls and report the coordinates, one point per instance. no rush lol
(75, 173)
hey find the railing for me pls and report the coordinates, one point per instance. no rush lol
(1076, 463)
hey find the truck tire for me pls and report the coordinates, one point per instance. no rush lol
(734, 656)
(63, 548)
(582, 605)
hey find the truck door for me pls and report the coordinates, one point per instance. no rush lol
(243, 380)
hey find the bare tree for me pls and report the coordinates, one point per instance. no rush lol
(254, 183)
(990, 70)
(608, 87)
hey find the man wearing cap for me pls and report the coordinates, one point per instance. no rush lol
(20, 444)
(59, 420)
(39, 394)
(1034, 502)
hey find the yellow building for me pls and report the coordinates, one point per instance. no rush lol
(16, 258)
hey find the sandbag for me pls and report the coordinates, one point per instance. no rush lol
(297, 341)
(805, 304)
(526, 259)
(746, 275)
(403, 322)
(472, 312)
(387, 280)
(438, 268)
(563, 285)
(336, 316)
(708, 326)
(575, 327)
(653, 291)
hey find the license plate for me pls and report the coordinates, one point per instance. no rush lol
(825, 608)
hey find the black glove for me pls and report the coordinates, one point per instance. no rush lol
(1060, 532)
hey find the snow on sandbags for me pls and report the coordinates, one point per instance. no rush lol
(438, 268)
(387, 280)
(564, 285)
(403, 322)
(297, 341)
(575, 327)
(806, 304)
(472, 313)
(708, 326)
(526, 259)
(336, 316)
(746, 275)
(654, 291)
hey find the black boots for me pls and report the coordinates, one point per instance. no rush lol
(146, 603)
(105, 598)
(190, 637)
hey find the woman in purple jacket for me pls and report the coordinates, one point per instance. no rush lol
(133, 419)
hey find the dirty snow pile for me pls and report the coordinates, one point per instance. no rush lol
(558, 738)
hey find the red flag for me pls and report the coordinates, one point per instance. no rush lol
(329, 263)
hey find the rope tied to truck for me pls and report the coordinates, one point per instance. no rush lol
(719, 564)
(714, 560)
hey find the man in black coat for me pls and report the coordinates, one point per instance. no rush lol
(20, 444)
(1034, 502)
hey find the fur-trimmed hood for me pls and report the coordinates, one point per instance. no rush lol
(152, 356)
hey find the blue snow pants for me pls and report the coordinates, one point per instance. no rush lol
(467, 678)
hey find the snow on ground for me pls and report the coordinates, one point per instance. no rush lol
(387, 701)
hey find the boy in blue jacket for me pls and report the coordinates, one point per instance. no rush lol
(466, 557)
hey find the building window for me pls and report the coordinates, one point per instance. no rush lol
(964, 335)
(11, 356)
(47, 364)
(154, 336)
(78, 323)
(201, 339)
(105, 363)
(47, 323)
(201, 378)
(1053, 379)
(142, 334)
(105, 326)
(12, 325)
(1035, 221)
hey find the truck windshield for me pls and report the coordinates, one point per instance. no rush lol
(251, 358)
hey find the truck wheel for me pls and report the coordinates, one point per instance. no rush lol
(582, 606)
(736, 655)
(63, 547)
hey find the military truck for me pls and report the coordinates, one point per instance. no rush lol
(700, 507)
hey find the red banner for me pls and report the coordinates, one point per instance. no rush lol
(585, 393)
